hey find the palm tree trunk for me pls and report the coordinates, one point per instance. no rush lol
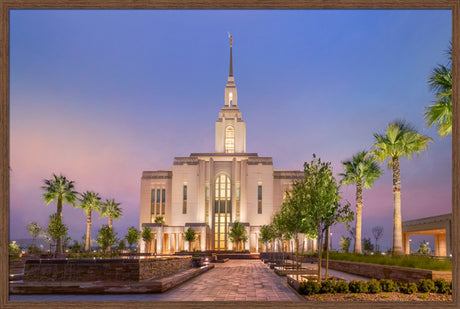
(359, 208)
(397, 225)
(59, 213)
(88, 231)
(110, 221)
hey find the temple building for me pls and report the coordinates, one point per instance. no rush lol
(210, 191)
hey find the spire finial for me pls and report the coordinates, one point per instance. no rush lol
(231, 60)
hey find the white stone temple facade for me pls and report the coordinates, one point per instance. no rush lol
(210, 191)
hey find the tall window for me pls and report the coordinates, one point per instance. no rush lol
(230, 99)
(163, 201)
(259, 199)
(158, 201)
(152, 203)
(229, 140)
(184, 205)
(222, 211)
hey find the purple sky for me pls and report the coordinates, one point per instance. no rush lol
(101, 96)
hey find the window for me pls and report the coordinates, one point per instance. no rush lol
(163, 201)
(184, 205)
(229, 140)
(152, 202)
(259, 199)
(230, 99)
(222, 211)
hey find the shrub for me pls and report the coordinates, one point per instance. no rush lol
(408, 288)
(357, 286)
(309, 288)
(342, 287)
(426, 286)
(442, 286)
(388, 285)
(373, 286)
(328, 286)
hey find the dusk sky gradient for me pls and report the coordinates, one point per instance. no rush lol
(102, 95)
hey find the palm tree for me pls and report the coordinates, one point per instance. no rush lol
(362, 170)
(59, 189)
(399, 139)
(110, 209)
(89, 201)
(440, 113)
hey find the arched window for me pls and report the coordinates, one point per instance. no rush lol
(230, 99)
(229, 140)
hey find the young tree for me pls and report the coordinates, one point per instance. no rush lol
(367, 245)
(59, 189)
(111, 210)
(159, 220)
(321, 197)
(237, 234)
(399, 140)
(345, 243)
(132, 237)
(106, 238)
(440, 82)
(190, 236)
(56, 229)
(35, 230)
(89, 201)
(266, 234)
(377, 231)
(147, 237)
(361, 170)
(424, 248)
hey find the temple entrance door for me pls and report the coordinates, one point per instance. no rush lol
(222, 211)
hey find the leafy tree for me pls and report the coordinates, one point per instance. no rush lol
(345, 243)
(56, 229)
(159, 220)
(267, 234)
(147, 237)
(424, 248)
(132, 237)
(190, 236)
(321, 197)
(106, 238)
(361, 170)
(76, 247)
(13, 248)
(35, 230)
(367, 245)
(377, 231)
(399, 140)
(121, 245)
(237, 234)
(89, 201)
(111, 210)
(440, 82)
(59, 189)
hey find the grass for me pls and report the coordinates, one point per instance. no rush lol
(422, 262)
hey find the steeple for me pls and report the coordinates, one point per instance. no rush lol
(230, 127)
(231, 58)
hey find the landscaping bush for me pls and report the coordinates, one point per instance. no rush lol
(426, 286)
(309, 288)
(357, 286)
(373, 286)
(388, 285)
(442, 286)
(342, 287)
(408, 288)
(328, 286)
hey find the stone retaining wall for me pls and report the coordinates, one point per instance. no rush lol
(103, 269)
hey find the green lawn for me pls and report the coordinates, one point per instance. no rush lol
(423, 262)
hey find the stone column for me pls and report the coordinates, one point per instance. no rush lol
(160, 240)
(247, 244)
(257, 242)
(448, 239)
(406, 243)
(203, 238)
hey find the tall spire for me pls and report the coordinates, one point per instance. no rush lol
(231, 58)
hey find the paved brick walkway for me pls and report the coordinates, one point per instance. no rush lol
(235, 280)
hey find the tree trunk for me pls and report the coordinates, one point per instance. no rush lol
(58, 248)
(359, 208)
(320, 252)
(327, 250)
(397, 224)
(88, 231)
(110, 222)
